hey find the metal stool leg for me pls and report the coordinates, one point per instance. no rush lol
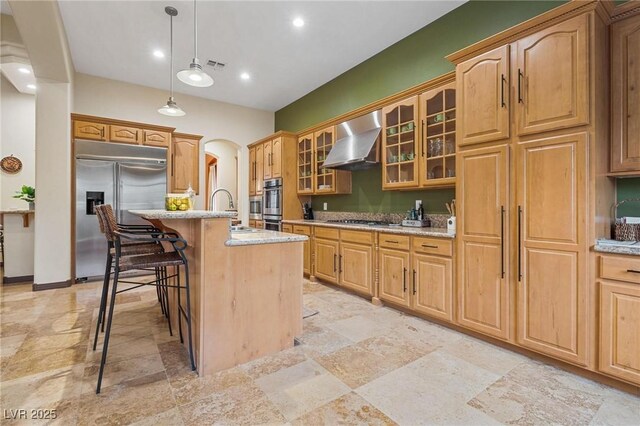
(179, 304)
(165, 291)
(105, 346)
(188, 314)
(103, 299)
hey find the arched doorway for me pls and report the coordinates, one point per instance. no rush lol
(222, 171)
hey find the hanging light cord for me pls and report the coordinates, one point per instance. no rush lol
(195, 29)
(171, 52)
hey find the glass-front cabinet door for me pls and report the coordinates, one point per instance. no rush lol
(305, 164)
(438, 141)
(399, 143)
(324, 178)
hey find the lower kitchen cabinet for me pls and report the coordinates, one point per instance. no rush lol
(304, 230)
(326, 256)
(252, 223)
(394, 267)
(355, 266)
(432, 286)
(287, 228)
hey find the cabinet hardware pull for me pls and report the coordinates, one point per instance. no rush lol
(173, 157)
(519, 243)
(335, 257)
(391, 241)
(502, 82)
(633, 271)
(502, 211)
(429, 246)
(520, 76)
(404, 280)
(340, 264)
(414, 281)
(102, 132)
(422, 138)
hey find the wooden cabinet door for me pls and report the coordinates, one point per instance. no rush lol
(482, 97)
(267, 157)
(306, 252)
(482, 194)
(156, 138)
(355, 266)
(551, 78)
(324, 179)
(552, 254)
(259, 224)
(400, 143)
(184, 164)
(326, 252)
(252, 223)
(88, 130)
(620, 331)
(252, 171)
(625, 95)
(305, 162)
(394, 276)
(125, 134)
(432, 286)
(276, 158)
(259, 168)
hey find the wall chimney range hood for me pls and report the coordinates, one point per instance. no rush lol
(357, 145)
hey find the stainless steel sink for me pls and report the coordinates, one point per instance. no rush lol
(239, 229)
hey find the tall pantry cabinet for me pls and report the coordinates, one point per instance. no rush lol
(532, 142)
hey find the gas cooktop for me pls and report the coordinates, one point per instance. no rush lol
(360, 222)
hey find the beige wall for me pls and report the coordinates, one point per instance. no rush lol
(17, 138)
(214, 120)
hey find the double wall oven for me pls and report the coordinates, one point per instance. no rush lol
(272, 204)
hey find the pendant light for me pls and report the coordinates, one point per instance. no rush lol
(194, 76)
(171, 108)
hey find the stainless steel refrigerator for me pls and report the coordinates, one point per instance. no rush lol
(128, 177)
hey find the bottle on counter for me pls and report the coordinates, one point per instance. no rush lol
(192, 196)
(420, 212)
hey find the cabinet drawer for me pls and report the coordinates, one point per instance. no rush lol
(287, 228)
(88, 130)
(361, 237)
(328, 233)
(399, 242)
(124, 134)
(437, 246)
(302, 230)
(620, 269)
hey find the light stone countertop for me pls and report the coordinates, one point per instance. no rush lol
(189, 214)
(618, 247)
(402, 230)
(261, 236)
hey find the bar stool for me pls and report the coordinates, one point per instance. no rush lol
(129, 249)
(174, 258)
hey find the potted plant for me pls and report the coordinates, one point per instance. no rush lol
(28, 194)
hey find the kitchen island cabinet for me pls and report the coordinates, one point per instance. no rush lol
(239, 313)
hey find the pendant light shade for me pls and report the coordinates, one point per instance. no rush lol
(171, 108)
(194, 75)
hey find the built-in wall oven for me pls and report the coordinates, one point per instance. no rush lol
(272, 204)
(255, 208)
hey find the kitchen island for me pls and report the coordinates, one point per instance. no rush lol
(246, 287)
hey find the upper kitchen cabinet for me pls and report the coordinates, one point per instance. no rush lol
(625, 96)
(266, 160)
(156, 138)
(259, 169)
(327, 181)
(483, 97)
(272, 158)
(438, 142)
(305, 164)
(399, 144)
(90, 130)
(185, 154)
(552, 77)
(252, 171)
(125, 134)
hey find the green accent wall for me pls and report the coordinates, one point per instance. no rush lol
(628, 188)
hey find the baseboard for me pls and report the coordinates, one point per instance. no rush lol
(51, 286)
(25, 279)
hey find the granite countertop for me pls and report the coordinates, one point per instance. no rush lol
(25, 211)
(189, 214)
(261, 236)
(402, 230)
(618, 247)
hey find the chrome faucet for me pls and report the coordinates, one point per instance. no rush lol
(212, 203)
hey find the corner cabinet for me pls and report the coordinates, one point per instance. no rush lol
(313, 149)
(185, 162)
(399, 144)
(625, 96)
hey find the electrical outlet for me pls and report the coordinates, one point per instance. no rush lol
(324, 206)
(418, 202)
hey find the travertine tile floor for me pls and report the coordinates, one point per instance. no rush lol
(357, 364)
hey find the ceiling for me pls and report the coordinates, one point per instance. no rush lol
(115, 39)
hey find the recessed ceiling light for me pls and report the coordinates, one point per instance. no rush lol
(298, 22)
(24, 70)
(158, 54)
(245, 76)
(31, 86)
